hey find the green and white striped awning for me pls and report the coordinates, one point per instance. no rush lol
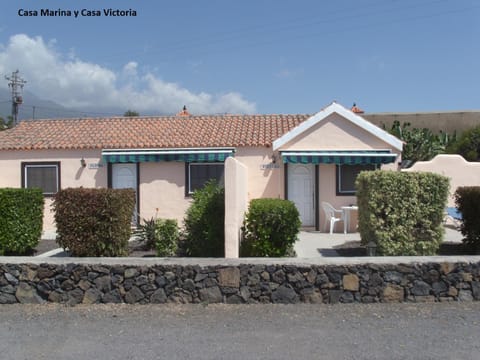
(157, 155)
(340, 157)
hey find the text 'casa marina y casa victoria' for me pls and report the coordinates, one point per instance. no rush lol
(77, 13)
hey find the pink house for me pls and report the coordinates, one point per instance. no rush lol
(305, 158)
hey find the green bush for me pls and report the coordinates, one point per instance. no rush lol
(147, 233)
(94, 222)
(467, 200)
(204, 223)
(270, 228)
(21, 220)
(167, 237)
(402, 212)
(468, 145)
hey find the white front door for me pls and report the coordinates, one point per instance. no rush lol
(301, 191)
(124, 176)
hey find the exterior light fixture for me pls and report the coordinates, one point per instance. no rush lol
(83, 162)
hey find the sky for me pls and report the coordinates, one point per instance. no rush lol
(250, 56)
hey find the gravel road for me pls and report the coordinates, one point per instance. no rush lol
(354, 331)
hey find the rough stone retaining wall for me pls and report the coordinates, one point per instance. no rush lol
(26, 280)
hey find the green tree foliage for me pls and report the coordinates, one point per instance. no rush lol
(402, 212)
(468, 145)
(270, 228)
(204, 222)
(420, 144)
(131, 113)
(6, 123)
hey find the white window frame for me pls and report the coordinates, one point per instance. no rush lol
(28, 165)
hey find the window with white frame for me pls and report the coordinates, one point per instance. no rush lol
(45, 176)
(200, 173)
(346, 176)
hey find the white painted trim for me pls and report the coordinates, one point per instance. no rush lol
(166, 151)
(345, 113)
(343, 154)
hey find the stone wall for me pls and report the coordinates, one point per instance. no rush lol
(253, 281)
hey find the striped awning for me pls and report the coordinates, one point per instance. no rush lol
(347, 157)
(157, 155)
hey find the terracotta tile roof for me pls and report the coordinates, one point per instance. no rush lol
(149, 132)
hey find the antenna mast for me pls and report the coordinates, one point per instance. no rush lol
(16, 84)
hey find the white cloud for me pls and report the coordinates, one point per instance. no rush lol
(66, 79)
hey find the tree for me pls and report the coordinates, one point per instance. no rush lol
(131, 113)
(420, 144)
(468, 145)
(6, 124)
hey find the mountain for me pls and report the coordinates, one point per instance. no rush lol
(34, 107)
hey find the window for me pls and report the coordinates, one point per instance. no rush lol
(199, 174)
(45, 176)
(346, 176)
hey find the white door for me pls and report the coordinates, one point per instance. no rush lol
(124, 176)
(301, 191)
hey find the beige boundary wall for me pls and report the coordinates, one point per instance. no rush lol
(236, 204)
(455, 167)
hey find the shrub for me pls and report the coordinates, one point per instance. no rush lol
(147, 233)
(94, 222)
(270, 228)
(467, 200)
(468, 145)
(204, 222)
(402, 213)
(167, 237)
(21, 220)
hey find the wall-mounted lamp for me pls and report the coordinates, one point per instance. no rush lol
(274, 158)
(83, 162)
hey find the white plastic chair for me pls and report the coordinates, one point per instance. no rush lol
(330, 217)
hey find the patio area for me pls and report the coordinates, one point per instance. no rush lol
(313, 244)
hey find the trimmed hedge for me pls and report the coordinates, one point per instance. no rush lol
(168, 236)
(94, 222)
(204, 223)
(270, 228)
(402, 212)
(21, 220)
(467, 200)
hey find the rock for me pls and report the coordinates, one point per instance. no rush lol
(439, 287)
(467, 277)
(92, 296)
(44, 272)
(334, 296)
(235, 299)
(25, 294)
(452, 291)
(84, 284)
(393, 277)
(7, 298)
(476, 290)
(9, 289)
(158, 297)
(425, 299)
(420, 288)
(351, 282)
(245, 293)
(284, 294)
(278, 277)
(313, 298)
(75, 297)
(161, 281)
(134, 295)
(211, 295)
(113, 296)
(465, 295)
(189, 285)
(11, 279)
(68, 285)
(447, 268)
(265, 275)
(28, 274)
(130, 273)
(141, 280)
(199, 277)
(393, 293)
(347, 297)
(229, 277)
(104, 283)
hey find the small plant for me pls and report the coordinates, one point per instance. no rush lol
(147, 233)
(467, 200)
(167, 237)
(270, 228)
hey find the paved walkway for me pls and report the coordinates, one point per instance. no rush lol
(311, 244)
(315, 244)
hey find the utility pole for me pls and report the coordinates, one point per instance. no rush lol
(16, 83)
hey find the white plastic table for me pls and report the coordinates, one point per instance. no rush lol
(346, 216)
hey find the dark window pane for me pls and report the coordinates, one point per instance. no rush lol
(43, 177)
(201, 173)
(347, 174)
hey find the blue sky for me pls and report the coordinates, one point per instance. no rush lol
(262, 56)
